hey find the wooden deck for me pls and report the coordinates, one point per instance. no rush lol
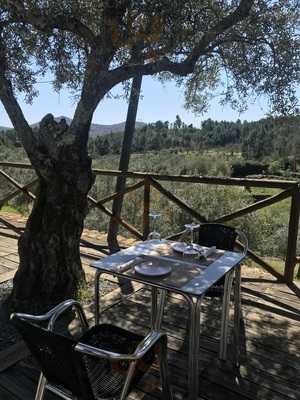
(270, 342)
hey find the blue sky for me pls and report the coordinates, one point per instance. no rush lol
(159, 102)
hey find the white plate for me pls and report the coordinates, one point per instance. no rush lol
(150, 268)
(180, 247)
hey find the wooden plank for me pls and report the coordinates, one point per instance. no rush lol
(5, 394)
(7, 276)
(290, 261)
(292, 307)
(260, 378)
(266, 393)
(211, 326)
(289, 299)
(22, 188)
(10, 226)
(13, 194)
(268, 183)
(260, 261)
(13, 257)
(3, 270)
(256, 206)
(213, 180)
(115, 195)
(146, 218)
(12, 355)
(273, 330)
(16, 165)
(8, 263)
(106, 211)
(177, 201)
(22, 383)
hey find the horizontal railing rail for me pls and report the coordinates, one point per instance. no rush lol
(289, 189)
(213, 180)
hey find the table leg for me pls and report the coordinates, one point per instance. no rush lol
(97, 296)
(237, 312)
(225, 315)
(193, 367)
(154, 296)
(160, 308)
(158, 299)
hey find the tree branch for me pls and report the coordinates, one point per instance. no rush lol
(11, 105)
(187, 66)
(47, 22)
(93, 90)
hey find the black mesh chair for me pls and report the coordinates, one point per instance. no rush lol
(105, 362)
(225, 238)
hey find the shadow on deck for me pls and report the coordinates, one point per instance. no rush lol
(270, 343)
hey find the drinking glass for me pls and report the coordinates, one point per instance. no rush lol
(190, 249)
(154, 234)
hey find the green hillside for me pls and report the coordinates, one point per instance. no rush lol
(270, 139)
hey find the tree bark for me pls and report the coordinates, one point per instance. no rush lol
(113, 229)
(50, 268)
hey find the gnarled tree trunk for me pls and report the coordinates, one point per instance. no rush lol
(50, 267)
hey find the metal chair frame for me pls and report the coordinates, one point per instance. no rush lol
(242, 241)
(155, 337)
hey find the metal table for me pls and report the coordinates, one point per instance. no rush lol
(192, 287)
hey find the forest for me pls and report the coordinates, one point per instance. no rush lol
(270, 145)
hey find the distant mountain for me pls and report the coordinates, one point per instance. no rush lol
(95, 130)
(4, 128)
(98, 129)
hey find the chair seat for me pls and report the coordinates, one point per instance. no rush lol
(106, 377)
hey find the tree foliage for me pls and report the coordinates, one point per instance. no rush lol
(252, 46)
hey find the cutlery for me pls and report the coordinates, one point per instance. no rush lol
(129, 264)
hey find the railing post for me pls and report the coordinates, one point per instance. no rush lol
(290, 261)
(146, 218)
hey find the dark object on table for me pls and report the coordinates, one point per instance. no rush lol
(221, 236)
(106, 362)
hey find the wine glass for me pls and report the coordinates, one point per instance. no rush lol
(154, 234)
(190, 250)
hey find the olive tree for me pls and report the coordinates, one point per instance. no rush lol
(248, 46)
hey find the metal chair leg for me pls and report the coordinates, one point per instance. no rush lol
(97, 296)
(163, 369)
(128, 380)
(41, 387)
(225, 317)
(237, 312)
(194, 336)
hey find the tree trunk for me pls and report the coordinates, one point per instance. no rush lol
(50, 268)
(112, 236)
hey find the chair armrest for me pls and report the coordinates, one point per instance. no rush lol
(139, 352)
(146, 344)
(242, 242)
(54, 313)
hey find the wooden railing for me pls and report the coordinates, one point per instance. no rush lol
(289, 189)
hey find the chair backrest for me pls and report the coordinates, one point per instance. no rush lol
(219, 235)
(56, 356)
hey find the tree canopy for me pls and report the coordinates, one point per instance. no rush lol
(252, 46)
